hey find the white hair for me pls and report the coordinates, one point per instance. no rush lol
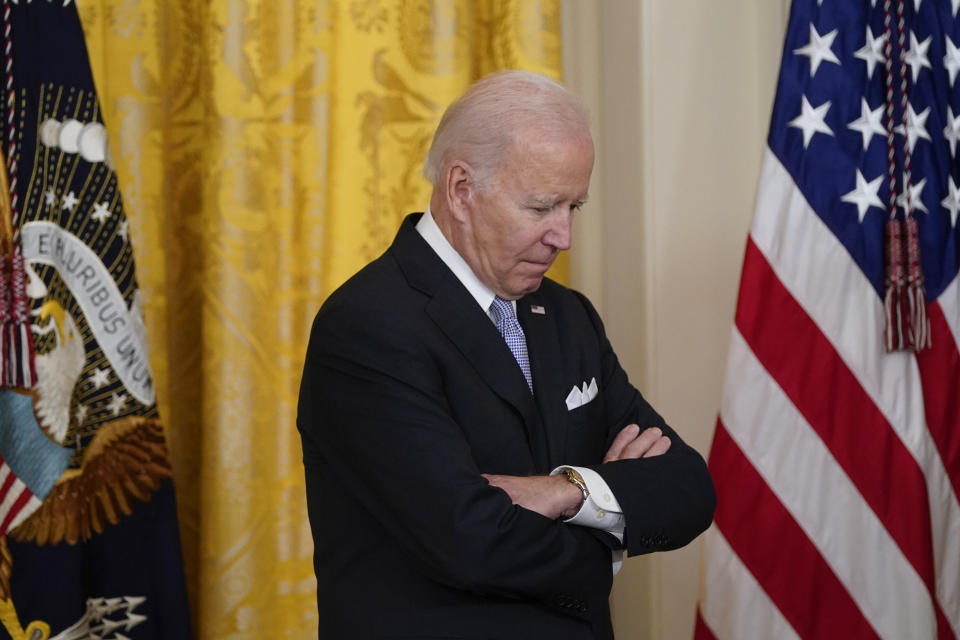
(480, 125)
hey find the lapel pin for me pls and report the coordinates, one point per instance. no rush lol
(536, 308)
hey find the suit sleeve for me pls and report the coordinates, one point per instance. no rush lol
(667, 500)
(373, 408)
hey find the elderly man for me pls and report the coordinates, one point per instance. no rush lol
(476, 459)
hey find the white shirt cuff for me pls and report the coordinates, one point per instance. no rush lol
(600, 510)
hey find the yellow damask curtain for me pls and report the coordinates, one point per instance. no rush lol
(267, 149)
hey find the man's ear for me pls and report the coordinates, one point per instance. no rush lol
(461, 190)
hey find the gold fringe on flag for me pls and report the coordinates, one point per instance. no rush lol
(17, 367)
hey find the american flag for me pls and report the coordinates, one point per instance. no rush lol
(837, 464)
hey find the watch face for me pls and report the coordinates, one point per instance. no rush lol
(575, 477)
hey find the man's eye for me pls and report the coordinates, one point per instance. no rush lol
(576, 206)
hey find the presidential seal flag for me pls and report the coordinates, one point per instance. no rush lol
(89, 545)
(836, 455)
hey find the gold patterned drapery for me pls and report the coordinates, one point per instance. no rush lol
(266, 150)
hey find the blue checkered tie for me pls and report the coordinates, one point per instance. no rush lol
(509, 328)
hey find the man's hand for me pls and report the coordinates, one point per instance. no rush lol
(630, 443)
(550, 496)
(555, 496)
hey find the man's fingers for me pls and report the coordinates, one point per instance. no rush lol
(627, 435)
(631, 443)
(501, 482)
(658, 448)
(641, 444)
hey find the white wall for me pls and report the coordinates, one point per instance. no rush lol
(681, 92)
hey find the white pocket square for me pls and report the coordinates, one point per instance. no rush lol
(579, 397)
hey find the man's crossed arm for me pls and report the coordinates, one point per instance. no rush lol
(555, 497)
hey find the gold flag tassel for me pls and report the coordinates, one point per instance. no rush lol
(919, 322)
(894, 301)
(16, 347)
(904, 302)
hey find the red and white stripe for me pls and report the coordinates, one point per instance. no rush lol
(837, 464)
(16, 500)
(949, 302)
(733, 588)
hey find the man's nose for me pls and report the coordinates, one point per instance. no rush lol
(558, 235)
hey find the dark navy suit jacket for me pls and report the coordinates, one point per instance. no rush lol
(408, 394)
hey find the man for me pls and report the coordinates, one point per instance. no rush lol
(447, 387)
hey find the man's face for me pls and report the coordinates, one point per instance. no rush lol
(521, 221)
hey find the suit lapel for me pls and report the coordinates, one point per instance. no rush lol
(456, 314)
(543, 347)
(477, 338)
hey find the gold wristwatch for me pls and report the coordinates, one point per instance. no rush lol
(574, 477)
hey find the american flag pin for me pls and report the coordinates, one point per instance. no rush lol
(535, 308)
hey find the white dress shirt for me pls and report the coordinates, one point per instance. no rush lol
(600, 510)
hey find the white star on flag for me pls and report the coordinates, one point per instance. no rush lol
(869, 122)
(117, 403)
(952, 202)
(952, 131)
(100, 212)
(872, 51)
(811, 120)
(951, 60)
(81, 413)
(122, 230)
(818, 49)
(916, 126)
(956, 5)
(865, 195)
(100, 377)
(917, 55)
(916, 204)
(51, 197)
(70, 201)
